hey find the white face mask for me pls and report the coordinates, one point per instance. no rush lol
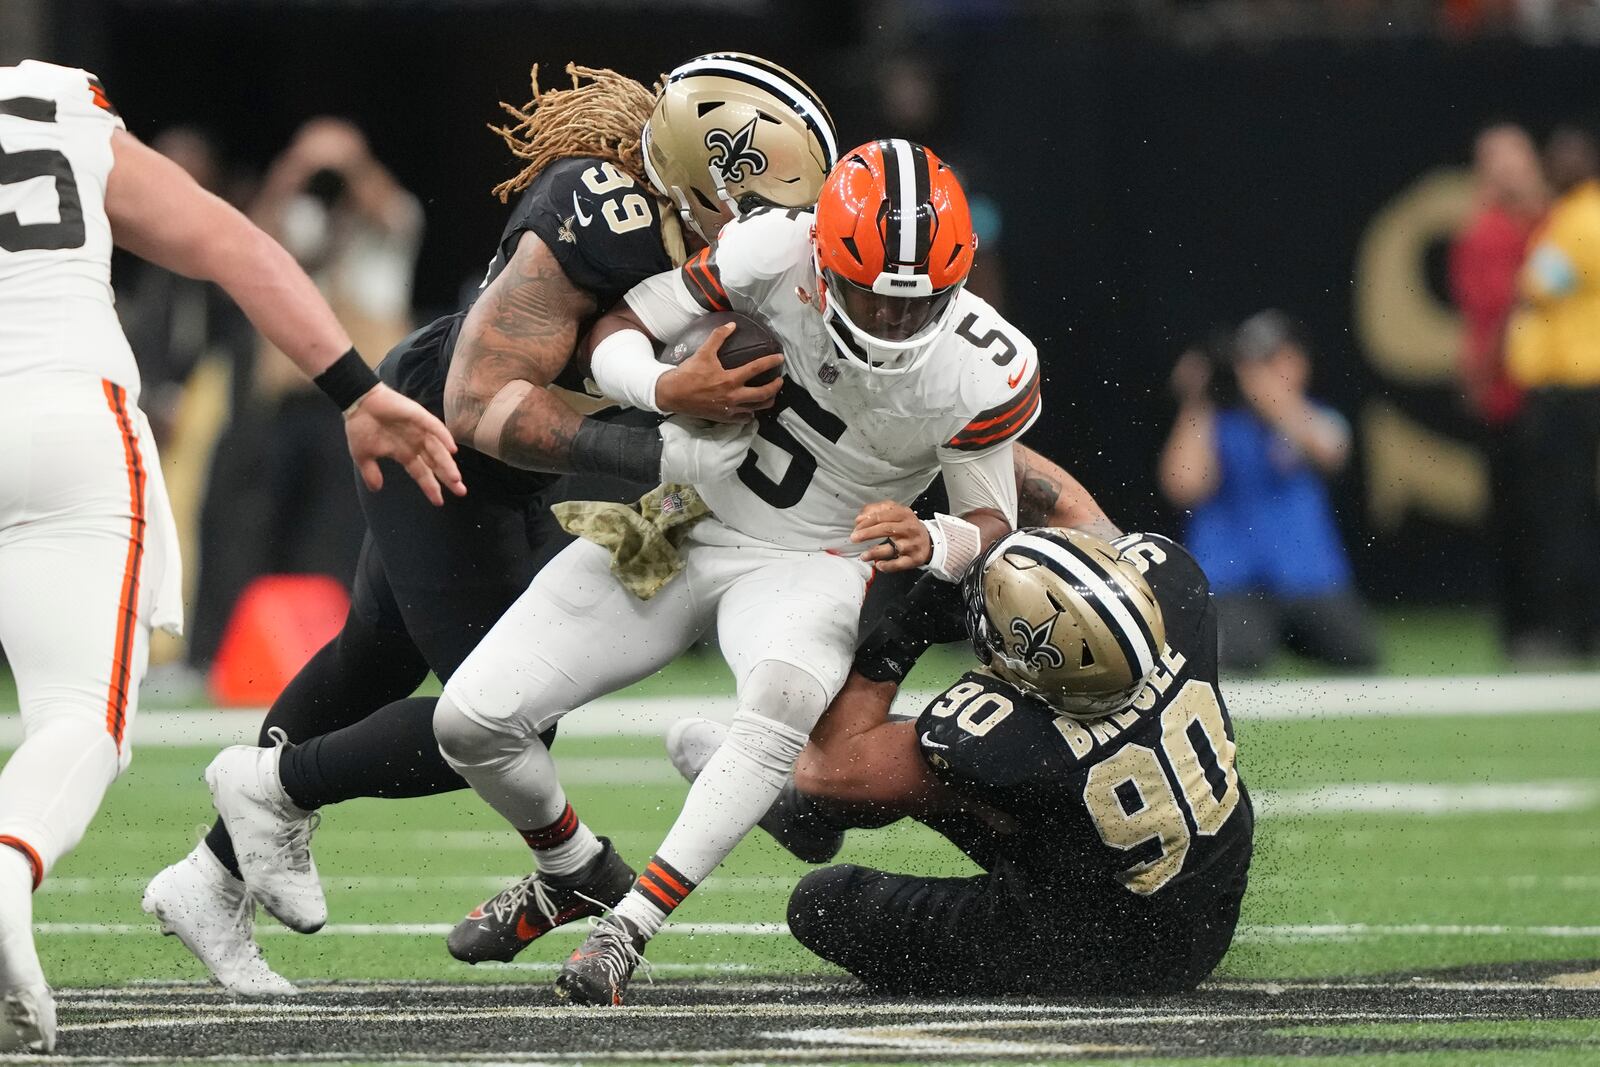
(864, 322)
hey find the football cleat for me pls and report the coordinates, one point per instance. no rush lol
(271, 835)
(28, 1020)
(597, 972)
(514, 918)
(209, 910)
(790, 820)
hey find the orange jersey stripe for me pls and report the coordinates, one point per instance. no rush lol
(1029, 392)
(703, 260)
(1003, 432)
(128, 601)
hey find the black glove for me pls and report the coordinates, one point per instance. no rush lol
(931, 614)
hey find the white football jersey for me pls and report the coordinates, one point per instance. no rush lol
(56, 305)
(841, 436)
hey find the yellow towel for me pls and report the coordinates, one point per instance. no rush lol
(642, 537)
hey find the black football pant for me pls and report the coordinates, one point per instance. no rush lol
(1333, 628)
(430, 583)
(997, 933)
(1559, 435)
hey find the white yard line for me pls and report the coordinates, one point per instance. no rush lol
(1268, 933)
(1424, 798)
(1499, 695)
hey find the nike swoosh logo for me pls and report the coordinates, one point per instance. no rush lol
(577, 209)
(931, 743)
(1011, 382)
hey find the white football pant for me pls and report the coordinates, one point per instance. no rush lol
(85, 546)
(786, 621)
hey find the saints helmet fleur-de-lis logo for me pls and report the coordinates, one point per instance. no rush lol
(1036, 650)
(735, 155)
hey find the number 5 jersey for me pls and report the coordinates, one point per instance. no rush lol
(56, 307)
(843, 435)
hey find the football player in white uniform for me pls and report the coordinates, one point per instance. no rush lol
(894, 375)
(88, 553)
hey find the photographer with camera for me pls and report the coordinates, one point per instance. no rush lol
(1248, 458)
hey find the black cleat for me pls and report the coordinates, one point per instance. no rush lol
(514, 918)
(597, 972)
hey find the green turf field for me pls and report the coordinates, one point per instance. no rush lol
(1426, 891)
(1387, 847)
(1343, 883)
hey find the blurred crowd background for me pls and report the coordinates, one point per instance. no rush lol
(1316, 283)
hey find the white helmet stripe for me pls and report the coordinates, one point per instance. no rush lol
(906, 209)
(791, 94)
(1132, 632)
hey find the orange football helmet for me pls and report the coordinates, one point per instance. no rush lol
(894, 245)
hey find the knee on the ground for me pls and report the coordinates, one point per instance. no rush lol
(819, 907)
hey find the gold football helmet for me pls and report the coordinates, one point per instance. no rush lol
(731, 131)
(1060, 614)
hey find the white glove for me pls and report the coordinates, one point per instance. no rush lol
(695, 450)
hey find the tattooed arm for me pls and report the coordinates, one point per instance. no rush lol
(518, 336)
(1049, 496)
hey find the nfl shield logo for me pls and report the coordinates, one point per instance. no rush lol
(671, 504)
(828, 373)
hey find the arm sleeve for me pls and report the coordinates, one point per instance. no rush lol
(984, 479)
(933, 613)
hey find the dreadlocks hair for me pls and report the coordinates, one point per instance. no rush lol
(602, 116)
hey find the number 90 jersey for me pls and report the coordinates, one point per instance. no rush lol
(1149, 798)
(56, 305)
(840, 436)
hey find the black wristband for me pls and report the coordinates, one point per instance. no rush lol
(632, 453)
(346, 380)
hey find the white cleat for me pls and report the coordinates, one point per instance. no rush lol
(271, 836)
(210, 912)
(28, 1020)
(692, 742)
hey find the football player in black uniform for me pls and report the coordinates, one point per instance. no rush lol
(1089, 769)
(607, 163)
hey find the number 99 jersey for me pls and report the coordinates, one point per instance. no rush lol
(1149, 798)
(56, 307)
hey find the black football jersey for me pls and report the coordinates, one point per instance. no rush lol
(1149, 798)
(604, 229)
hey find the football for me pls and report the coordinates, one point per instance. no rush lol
(752, 339)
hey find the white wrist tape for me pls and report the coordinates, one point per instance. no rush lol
(624, 367)
(955, 545)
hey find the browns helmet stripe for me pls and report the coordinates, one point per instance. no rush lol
(1106, 601)
(920, 195)
(808, 107)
